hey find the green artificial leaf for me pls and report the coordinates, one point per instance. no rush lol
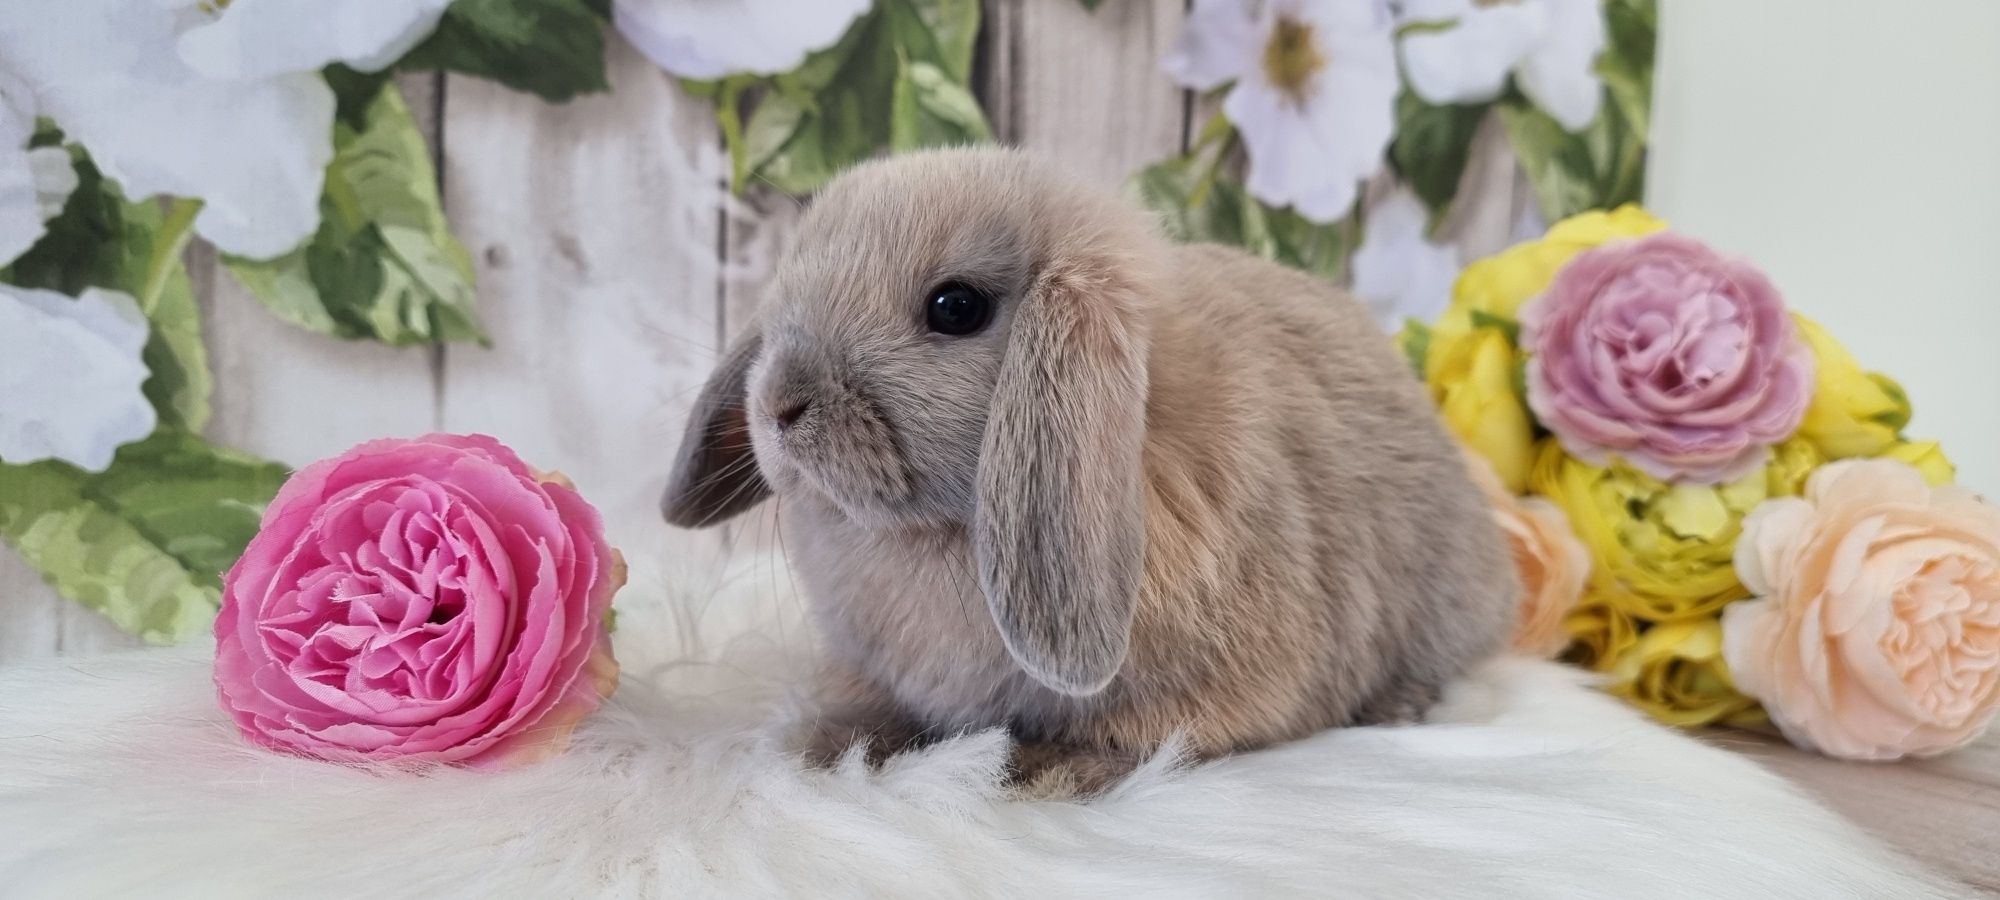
(755, 147)
(1320, 249)
(198, 502)
(1179, 190)
(906, 123)
(950, 27)
(146, 542)
(1604, 165)
(1416, 343)
(1897, 416)
(1601, 167)
(1197, 204)
(1433, 145)
(1512, 329)
(1626, 65)
(1557, 163)
(928, 109)
(92, 243)
(833, 111)
(102, 240)
(551, 48)
(181, 382)
(354, 92)
(896, 79)
(383, 264)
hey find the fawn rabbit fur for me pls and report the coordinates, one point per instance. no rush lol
(1162, 489)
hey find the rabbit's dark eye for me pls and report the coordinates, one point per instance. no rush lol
(955, 309)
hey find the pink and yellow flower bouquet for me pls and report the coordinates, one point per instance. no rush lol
(1710, 501)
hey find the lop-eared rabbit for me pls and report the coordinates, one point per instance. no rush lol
(1041, 468)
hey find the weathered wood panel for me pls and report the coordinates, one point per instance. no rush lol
(594, 227)
(1084, 87)
(29, 612)
(1493, 196)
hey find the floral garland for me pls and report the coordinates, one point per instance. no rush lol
(1317, 97)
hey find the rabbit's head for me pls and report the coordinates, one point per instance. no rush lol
(958, 340)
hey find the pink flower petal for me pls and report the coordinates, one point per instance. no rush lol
(1661, 352)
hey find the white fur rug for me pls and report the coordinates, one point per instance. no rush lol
(120, 778)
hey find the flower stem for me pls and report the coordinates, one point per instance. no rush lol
(1217, 128)
(175, 231)
(729, 115)
(1213, 170)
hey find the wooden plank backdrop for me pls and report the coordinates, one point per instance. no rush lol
(614, 262)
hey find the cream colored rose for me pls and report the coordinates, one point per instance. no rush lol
(1875, 632)
(1551, 561)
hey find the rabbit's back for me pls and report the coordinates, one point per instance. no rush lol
(1317, 554)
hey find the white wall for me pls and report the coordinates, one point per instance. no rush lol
(1852, 149)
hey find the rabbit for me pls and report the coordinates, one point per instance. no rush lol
(1040, 468)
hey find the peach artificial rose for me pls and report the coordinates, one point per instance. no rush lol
(1551, 561)
(1875, 632)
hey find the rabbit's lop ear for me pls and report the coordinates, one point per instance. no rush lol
(1059, 527)
(715, 474)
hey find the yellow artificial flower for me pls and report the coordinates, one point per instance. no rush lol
(1676, 673)
(1599, 633)
(1853, 412)
(1928, 457)
(1471, 375)
(1497, 285)
(1659, 551)
(1791, 462)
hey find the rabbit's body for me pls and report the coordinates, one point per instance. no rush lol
(1296, 545)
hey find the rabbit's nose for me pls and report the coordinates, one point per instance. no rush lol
(790, 413)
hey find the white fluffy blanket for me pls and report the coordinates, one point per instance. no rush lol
(120, 778)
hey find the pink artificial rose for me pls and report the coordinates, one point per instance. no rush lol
(1875, 632)
(1662, 352)
(426, 600)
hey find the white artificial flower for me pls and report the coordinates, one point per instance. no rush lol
(1460, 51)
(1314, 95)
(1398, 272)
(222, 102)
(70, 376)
(34, 184)
(708, 39)
(262, 38)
